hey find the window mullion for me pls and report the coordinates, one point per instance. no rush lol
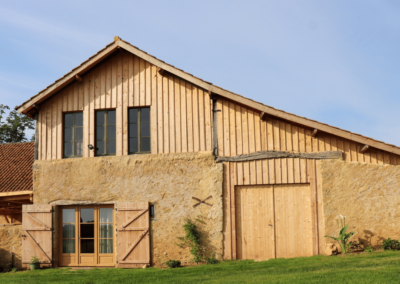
(139, 131)
(73, 136)
(105, 134)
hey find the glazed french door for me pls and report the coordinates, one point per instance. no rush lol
(87, 236)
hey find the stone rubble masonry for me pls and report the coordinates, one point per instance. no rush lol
(10, 246)
(367, 194)
(169, 181)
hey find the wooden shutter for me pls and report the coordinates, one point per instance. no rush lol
(37, 229)
(133, 223)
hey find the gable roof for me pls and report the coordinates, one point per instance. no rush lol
(70, 77)
(16, 160)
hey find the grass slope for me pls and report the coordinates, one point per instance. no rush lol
(376, 267)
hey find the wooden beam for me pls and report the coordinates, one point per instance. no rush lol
(282, 154)
(78, 78)
(364, 148)
(160, 71)
(14, 193)
(314, 133)
(27, 197)
(263, 116)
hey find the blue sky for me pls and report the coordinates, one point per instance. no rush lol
(333, 61)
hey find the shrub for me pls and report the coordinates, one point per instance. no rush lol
(192, 239)
(173, 263)
(212, 260)
(369, 249)
(390, 244)
(343, 238)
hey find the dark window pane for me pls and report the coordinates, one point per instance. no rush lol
(68, 246)
(106, 246)
(100, 117)
(133, 115)
(145, 145)
(79, 119)
(100, 147)
(106, 215)
(133, 130)
(111, 131)
(106, 231)
(87, 246)
(111, 117)
(87, 230)
(68, 149)
(111, 146)
(87, 215)
(79, 134)
(68, 215)
(145, 129)
(78, 148)
(133, 145)
(99, 132)
(68, 134)
(68, 231)
(145, 114)
(69, 119)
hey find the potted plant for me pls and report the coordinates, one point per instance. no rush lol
(35, 263)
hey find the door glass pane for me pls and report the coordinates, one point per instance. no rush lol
(100, 132)
(87, 230)
(79, 134)
(100, 117)
(69, 119)
(111, 146)
(133, 145)
(106, 246)
(111, 117)
(68, 246)
(106, 215)
(79, 119)
(87, 246)
(145, 145)
(106, 230)
(133, 115)
(111, 131)
(68, 134)
(78, 148)
(87, 215)
(100, 147)
(68, 215)
(145, 114)
(68, 231)
(133, 130)
(145, 129)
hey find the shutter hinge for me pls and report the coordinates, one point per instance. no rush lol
(116, 229)
(116, 209)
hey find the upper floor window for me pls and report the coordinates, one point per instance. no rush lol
(73, 134)
(139, 130)
(105, 132)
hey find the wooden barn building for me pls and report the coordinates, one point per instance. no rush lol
(128, 146)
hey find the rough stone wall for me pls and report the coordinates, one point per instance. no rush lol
(10, 246)
(367, 194)
(169, 181)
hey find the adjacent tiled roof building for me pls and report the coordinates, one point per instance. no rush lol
(16, 161)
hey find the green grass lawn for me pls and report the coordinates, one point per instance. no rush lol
(376, 267)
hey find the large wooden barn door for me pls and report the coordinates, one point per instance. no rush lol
(37, 232)
(255, 219)
(273, 221)
(133, 221)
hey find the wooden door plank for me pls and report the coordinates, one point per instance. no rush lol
(183, 116)
(189, 109)
(153, 108)
(196, 128)
(142, 82)
(171, 96)
(136, 81)
(125, 103)
(178, 113)
(166, 114)
(201, 121)
(148, 84)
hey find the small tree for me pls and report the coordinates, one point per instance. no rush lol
(344, 237)
(13, 129)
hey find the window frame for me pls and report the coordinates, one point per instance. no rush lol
(105, 132)
(139, 130)
(73, 135)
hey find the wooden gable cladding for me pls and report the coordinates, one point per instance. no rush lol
(37, 229)
(242, 131)
(133, 221)
(180, 111)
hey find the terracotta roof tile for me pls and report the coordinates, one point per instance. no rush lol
(16, 161)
